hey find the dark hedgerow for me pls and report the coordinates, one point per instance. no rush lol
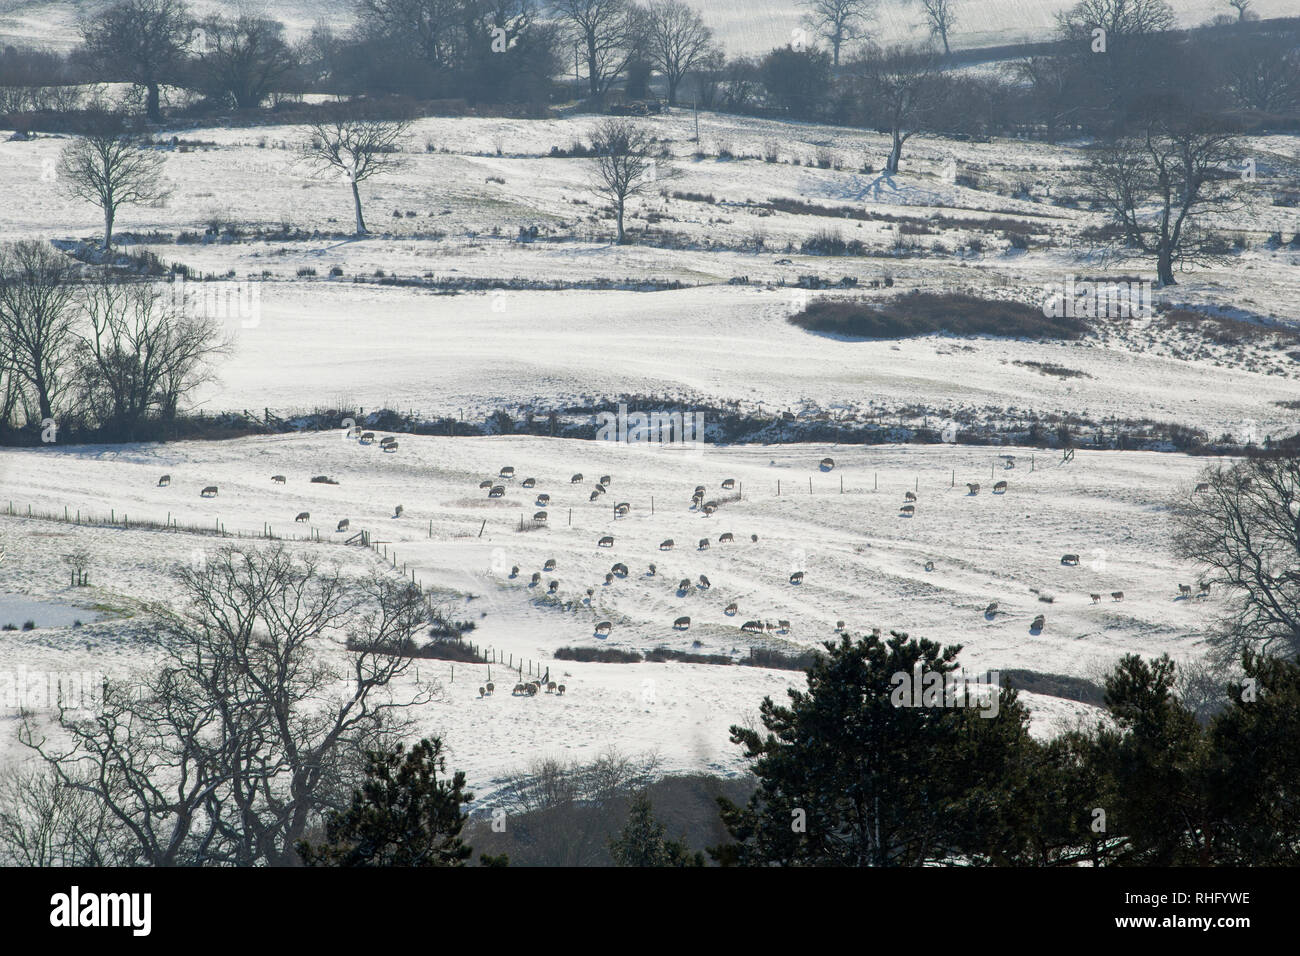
(927, 313)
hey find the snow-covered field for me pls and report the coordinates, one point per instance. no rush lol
(864, 563)
(316, 341)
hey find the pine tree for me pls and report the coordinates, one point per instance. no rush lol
(848, 776)
(643, 842)
(404, 815)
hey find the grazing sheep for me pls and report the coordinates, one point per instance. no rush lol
(696, 500)
(278, 479)
(497, 491)
(209, 492)
(1095, 598)
(549, 565)
(704, 583)
(621, 509)
(1204, 591)
(653, 571)
(481, 691)
(726, 538)
(491, 687)
(1202, 486)
(704, 544)
(1038, 623)
(343, 525)
(728, 484)
(576, 479)
(666, 544)
(754, 538)
(839, 625)
(550, 687)
(783, 625)
(553, 587)
(604, 479)
(710, 506)
(303, 516)
(606, 542)
(1117, 595)
(519, 689)
(386, 441)
(485, 483)
(684, 584)
(391, 446)
(543, 500)
(590, 592)
(530, 482)
(603, 628)
(991, 610)
(609, 578)
(164, 481)
(514, 571)
(753, 627)
(796, 578)
(539, 516)
(909, 496)
(619, 570)
(699, 490)
(397, 512)
(536, 579)
(827, 464)
(1185, 590)
(506, 472)
(1070, 559)
(769, 625)
(368, 438)
(531, 688)
(929, 565)
(1000, 488)
(907, 510)
(731, 609)
(682, 623)
(973, 487)
(594, 496)
(560, 690)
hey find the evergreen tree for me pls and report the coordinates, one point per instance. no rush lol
(404, 815)
(643, 842)
(852, 775)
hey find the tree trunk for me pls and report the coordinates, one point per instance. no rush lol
(108, 228)
(1165, 268)
(356, 202)
(944, 35)
(895, 154)
(620, 223)
(152, 106)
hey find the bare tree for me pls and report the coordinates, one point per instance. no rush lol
(940, 18)
(1263, 73)
(358, 146)
(105, 166)
(624, 167)
(677, 41)
(1160, 184)
(606, 31)
(140, 352)
(1243, 10)
(244, 58)
(839, 22)
(901, 86)
(1114, 41)
(274, 681)
(37, 291)
(1244, 531)
(139, 40)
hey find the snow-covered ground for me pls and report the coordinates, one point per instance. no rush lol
(864, 563)
(321, 342)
